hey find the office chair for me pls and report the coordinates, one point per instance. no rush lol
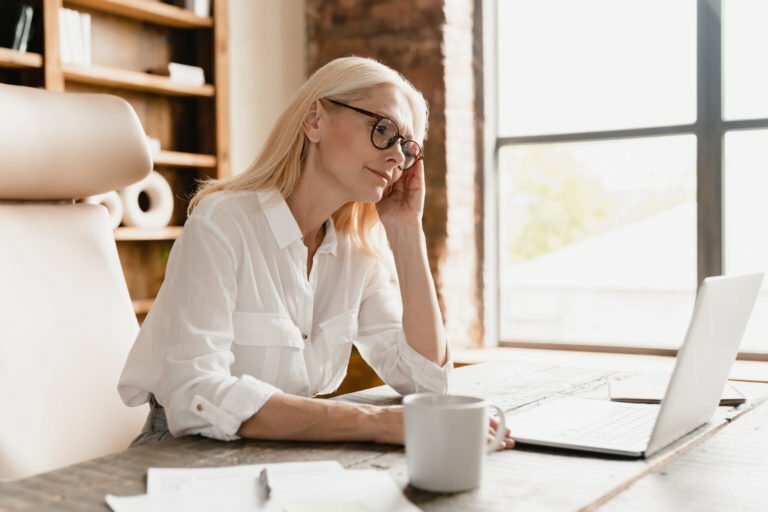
(66, 319)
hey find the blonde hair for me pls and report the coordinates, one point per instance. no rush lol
(280, 162)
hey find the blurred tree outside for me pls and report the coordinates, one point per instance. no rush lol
(554, 199)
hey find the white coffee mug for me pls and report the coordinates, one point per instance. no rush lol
(445, 440)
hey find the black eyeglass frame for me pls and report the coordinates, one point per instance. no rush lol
(393, 140)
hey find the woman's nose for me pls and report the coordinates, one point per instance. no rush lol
(395, 155)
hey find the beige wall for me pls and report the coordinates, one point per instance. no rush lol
(267, 52)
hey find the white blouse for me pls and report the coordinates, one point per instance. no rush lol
(237, 320)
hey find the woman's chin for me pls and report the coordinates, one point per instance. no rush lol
(372, 196)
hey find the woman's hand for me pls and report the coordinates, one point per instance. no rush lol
(493, 427)
(403, 202)
(390, 428)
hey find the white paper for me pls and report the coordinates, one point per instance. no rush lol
(229, 498)
(361, 489)
(160, 480)
(321, 486)
(652, 388)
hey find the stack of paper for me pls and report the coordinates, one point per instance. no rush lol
(180, 73)
(295, 487)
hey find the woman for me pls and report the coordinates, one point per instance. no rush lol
(281, 268)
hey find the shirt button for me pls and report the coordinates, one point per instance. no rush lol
(304, 336)
(199, 407)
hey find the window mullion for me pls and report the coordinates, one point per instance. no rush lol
(709, 131)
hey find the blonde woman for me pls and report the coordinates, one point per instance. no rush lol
(282, 268)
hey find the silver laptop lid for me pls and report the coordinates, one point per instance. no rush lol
(720, 316)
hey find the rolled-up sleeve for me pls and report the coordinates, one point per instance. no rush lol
(197, 389)
(382, 342)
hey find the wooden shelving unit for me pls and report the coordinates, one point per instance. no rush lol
(142, 10)
(133, 80)
(142, 306)
(130, 234)
(180, 159)
(129, 37)
(16, 59)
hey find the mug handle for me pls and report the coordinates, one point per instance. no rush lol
(500, 432)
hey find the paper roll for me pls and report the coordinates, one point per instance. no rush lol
(160, 210)
(112, 202)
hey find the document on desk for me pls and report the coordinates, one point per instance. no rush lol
(651, 388)
(161, 480)
(295, 487)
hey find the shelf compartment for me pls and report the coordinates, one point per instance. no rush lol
(179, 159)
(133, 80)
(152, 12)
(15, 59)
(130, 234)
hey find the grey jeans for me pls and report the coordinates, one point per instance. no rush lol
(155, 428)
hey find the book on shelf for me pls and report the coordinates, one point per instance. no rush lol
(16, 24)
(181, 73)
(200, 8)
(75, 37)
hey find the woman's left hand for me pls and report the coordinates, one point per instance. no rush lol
(493, 427)
(403, 202)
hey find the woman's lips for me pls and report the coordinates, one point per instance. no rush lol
(380, 174)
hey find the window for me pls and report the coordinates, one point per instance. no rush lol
(625, 172)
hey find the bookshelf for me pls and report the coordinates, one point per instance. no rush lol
(133, 80)
(16, 59)
(129, 37)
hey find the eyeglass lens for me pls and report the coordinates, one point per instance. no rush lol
(385, 134)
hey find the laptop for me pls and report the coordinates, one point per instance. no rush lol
(720, 315)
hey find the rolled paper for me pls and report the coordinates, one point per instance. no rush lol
(160, 196)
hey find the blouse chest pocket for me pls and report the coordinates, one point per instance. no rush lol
(340, 329)
(269, 347)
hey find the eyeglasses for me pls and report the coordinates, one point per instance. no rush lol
(385, 134)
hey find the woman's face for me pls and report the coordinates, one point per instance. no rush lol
(345, 151)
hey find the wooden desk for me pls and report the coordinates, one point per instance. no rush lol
(732, 450)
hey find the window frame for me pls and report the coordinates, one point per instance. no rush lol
(709, 129)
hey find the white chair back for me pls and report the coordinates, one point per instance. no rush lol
(66, 319)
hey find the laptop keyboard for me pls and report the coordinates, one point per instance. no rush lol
(623, 427)
(587, 422)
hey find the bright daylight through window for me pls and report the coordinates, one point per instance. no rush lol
(597, 167)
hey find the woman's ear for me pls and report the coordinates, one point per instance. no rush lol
(312, 123)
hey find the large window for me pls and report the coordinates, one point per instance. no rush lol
(631, 164)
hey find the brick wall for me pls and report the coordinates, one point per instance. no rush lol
(431, 43)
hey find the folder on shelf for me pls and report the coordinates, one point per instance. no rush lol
(15, 24)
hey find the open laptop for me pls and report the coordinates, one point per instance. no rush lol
(720, 316)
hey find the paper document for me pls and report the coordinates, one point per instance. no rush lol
(181, 479)
(295, 487)
(650, 389)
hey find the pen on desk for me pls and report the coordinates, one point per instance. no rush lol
(263, 487)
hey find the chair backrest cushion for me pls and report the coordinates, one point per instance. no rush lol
(67, 145)
(66, 318)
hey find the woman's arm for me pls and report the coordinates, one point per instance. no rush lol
(401, 212)
(422, 321)
(290, 417)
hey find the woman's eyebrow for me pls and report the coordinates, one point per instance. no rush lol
(400, 126)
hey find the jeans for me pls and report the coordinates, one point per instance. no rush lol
(155, 428)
